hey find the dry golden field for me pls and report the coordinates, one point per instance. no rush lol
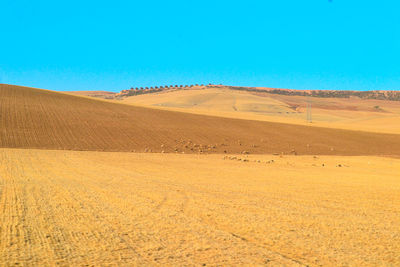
(110, 208)
(344, 113)
(99, 94)
(77, 189)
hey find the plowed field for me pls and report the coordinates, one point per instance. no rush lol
(33, 118)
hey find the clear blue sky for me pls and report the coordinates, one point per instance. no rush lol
(113, 45)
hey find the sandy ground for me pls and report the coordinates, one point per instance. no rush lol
(123, 209)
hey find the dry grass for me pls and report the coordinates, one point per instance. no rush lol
(352, 113)
(98, 94)
(105, 208)
(76, 208)
(33, 118)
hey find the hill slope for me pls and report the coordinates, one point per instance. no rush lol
(33, 118)
(344, 113)
(100, 94)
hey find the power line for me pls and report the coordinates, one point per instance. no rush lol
(309, 112)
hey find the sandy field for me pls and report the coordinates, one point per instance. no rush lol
(77, 208)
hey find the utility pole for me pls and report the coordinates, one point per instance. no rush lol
(309, 113)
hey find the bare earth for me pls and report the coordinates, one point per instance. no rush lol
(33, 118)
(91, 182)
(101, 208)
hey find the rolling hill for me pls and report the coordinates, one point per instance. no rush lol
(99, 94)
(34, 118)
(351, 113)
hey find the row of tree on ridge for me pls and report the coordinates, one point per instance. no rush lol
(152, 89)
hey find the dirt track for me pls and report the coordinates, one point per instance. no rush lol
(33, 118)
